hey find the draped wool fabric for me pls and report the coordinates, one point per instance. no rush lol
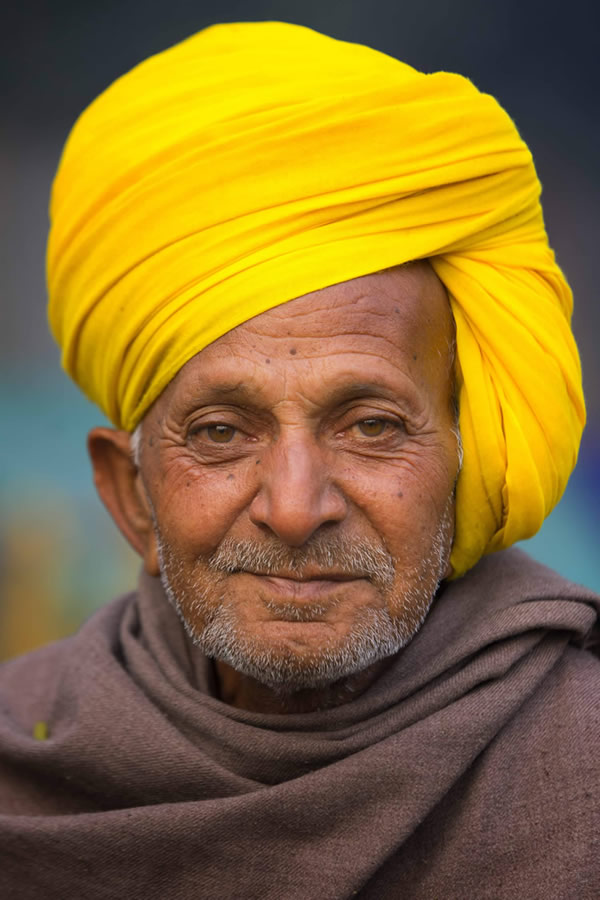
(257, 162)
(469, 769)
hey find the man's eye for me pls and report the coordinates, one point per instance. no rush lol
(220, 434)
(372, 427)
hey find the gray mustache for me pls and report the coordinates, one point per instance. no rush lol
(327, 555)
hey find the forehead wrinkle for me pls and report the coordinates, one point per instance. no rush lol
(398, 345)
(386, 354)
(338, 387)
(269, 323)
(404, 325)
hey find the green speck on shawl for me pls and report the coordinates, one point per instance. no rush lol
(40, 731)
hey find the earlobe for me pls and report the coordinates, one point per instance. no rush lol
(119, 486)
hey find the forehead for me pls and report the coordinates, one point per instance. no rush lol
(400, 317)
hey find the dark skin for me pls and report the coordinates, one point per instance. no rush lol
(331, 413)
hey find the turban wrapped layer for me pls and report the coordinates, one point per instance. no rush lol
(254, 163)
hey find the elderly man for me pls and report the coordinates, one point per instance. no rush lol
(302, 279)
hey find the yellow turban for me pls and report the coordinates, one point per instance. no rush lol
(254, 163)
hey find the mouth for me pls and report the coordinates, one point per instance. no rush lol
(305, 588)
(301, 578)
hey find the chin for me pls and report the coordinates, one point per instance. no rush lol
(283, 661)
(289, 642)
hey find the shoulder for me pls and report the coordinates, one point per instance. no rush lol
(514, 571)
(568, 699)
(544, 769)
(551, 738)
(564, 714)
(531, 595)
(30, 683)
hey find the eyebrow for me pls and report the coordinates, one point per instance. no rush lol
(240, 393)
(207, 394)
(358, 389)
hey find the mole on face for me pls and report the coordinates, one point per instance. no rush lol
(293, 351)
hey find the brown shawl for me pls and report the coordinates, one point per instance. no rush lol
(468, 770)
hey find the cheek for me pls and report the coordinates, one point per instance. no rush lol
(198, 507)
(402, 500)
(412, 476)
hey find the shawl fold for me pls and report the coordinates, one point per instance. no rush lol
(468, 769)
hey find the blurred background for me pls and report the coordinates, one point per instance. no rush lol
(60, 555)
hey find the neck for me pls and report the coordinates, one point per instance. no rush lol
(246, 693)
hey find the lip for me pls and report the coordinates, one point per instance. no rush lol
(308, 589)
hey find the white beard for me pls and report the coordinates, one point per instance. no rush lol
(213, 624)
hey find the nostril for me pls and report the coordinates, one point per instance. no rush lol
(294, 523)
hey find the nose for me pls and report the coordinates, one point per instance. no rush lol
(296, 495)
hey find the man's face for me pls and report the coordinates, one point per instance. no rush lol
(301, 472)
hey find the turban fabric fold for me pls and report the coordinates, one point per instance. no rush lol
(254, 163)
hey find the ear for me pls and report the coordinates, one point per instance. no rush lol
(120, 488)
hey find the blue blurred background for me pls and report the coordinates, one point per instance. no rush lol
(60, 555)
